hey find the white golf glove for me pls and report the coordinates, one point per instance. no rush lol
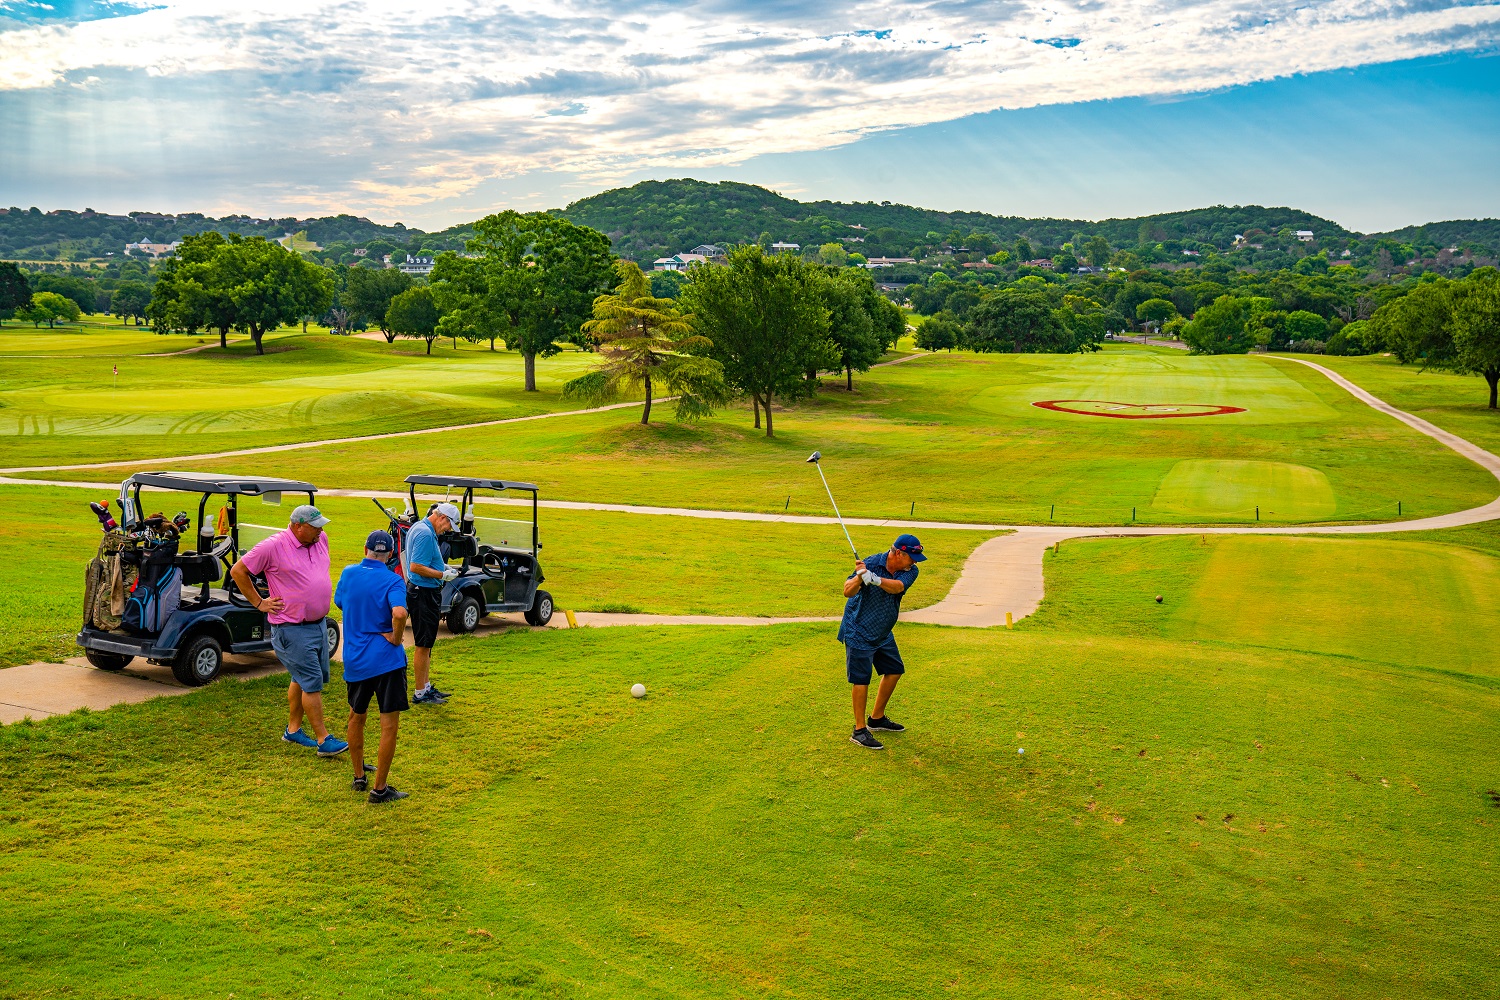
(871, 580)
(450, 574)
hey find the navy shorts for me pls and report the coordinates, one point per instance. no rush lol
(884, 658)
(303, 650)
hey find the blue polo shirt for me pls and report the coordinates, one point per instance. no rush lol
(871, 613)
(422, 549)
(366, 593)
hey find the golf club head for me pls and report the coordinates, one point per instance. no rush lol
(815, 456)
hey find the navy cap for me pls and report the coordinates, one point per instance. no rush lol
(912, 547)
(380, 541)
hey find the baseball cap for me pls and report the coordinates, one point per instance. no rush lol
(447, 510)
(308, 514)
(380, 541)
(912, 547)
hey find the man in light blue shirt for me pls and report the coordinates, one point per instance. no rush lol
(426, 572)
(373, 600)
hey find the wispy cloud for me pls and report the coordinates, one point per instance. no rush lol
(388, 108)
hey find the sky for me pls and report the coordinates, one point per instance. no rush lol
(1375, 113)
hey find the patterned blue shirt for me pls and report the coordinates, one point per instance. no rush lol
(871, 613)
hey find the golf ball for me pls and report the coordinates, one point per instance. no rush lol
(1158, 598)
(1020, 750)
(638, 690)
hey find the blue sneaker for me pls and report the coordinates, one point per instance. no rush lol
(300, 738)
(331, 746)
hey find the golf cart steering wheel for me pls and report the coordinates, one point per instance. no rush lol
(489, 562)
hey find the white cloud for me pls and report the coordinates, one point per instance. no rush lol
(435, 99)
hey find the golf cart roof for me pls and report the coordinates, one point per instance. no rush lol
(210, 482)
(463, 483)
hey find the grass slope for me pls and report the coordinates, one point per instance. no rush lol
(593, 562)
(1187, 821)
(958, 437)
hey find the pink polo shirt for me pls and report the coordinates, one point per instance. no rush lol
(296, 573)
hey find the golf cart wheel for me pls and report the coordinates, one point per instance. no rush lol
(464, 616)
(199, 663)
(107, 661)
(333, 635)
(541, 609)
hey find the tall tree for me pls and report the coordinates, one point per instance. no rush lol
(462, 288)
(414, 313)
(1020, 322)
(1476, 329)
(1220, 327)
(862, 323)
(368, 293)
(542, 274)
(641, 339)
(1155, 312)
(191, 292)
(15, 290)
(271, 286)
(49, 307)
(767, 321)
(130, 299)
(939, 332)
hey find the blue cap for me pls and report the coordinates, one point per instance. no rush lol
(912, 547)
(380, 541)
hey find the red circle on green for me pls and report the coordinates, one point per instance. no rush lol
(1135, 411)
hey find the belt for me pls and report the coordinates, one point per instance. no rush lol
(310, 621)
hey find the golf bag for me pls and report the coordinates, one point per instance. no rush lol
(106, 581)
(157, 591)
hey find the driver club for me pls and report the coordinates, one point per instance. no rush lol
(815, 460)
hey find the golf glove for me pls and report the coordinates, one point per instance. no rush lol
(871, 580)
(450, 574)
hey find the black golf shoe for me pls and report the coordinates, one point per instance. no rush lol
(361, 783)
(387, 794)
(862, 737)
(885, 724)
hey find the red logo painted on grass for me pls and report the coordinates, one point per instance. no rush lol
(1135, 411)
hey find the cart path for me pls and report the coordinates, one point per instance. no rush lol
(1002, 575)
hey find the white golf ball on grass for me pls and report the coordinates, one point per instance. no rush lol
(638, 691)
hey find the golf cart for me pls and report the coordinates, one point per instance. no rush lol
(145, 596)
(498, 566)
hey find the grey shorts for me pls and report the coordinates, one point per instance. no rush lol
(303, 650)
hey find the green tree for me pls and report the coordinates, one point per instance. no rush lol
(1476, 329)
(414, 313)
(49, 307)
(1415, 327)
(833, 254)
(1303, 325)
(1220, 327)
(270, 285)
(130, 299)
(1020, 322)
(15, 290)
(1097, 251)
(538, 276)
(767, 321)
(191, 293)
(1155, 312)
(862, 323)
(368, 293)
(939, 333)
(642, 339)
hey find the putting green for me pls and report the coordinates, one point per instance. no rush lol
(1233, 488)
(1266, 394)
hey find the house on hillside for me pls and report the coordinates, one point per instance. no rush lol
(419, 266)
(710, 251)
(786, 247)
(151, 249)
(679, 262)
(1041, 262)
(1305, 235)
(875, 262)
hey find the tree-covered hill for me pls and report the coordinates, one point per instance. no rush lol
(660, 217)
(1479, 233)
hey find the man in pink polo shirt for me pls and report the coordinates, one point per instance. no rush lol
(295, 564)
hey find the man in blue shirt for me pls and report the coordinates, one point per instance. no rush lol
(373, 600)
(874, 594)
(426, 572)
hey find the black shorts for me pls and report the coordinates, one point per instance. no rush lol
(388, 689)
(884, 658)
(424, 605)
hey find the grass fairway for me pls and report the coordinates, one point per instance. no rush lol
(960, 440)
(1189, 820)
(67, 406)
(593, 562)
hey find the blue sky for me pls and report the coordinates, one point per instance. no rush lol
(1376, 113)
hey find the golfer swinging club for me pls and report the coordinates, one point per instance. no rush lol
(874, 592)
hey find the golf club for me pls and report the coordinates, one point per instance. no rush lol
(815, 460)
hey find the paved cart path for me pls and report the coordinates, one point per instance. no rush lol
(1002, 575)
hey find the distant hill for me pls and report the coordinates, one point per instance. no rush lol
(653, 218)
(656, 218)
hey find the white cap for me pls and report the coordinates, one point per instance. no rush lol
(447, 510)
